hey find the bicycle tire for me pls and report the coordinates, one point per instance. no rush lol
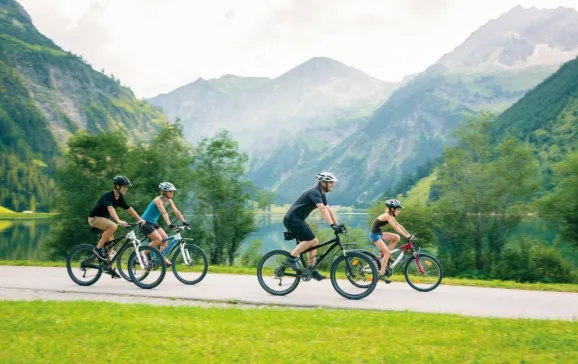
(199, 251)
(159, 260)
(260, 274)
(436, 262)
(371, 256)
(69, 266)
(375, 258)
(119, 262)
(368, 262)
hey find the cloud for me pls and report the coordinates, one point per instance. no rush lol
(155, 46)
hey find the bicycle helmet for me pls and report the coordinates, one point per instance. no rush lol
(325, 177)
(167, 186)
(122, 181)
(393, 203)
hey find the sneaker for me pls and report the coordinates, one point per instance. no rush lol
(317, 276)
(100, 253)
(385, 279)
(113, 273)
(293, 263)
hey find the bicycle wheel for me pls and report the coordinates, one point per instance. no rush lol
(154, 267)
(271, 271)
(364, 281)
(354, 268)
(423, 274)
(122, 261)
(195, 264)
(83, 261)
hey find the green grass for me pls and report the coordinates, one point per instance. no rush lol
(554, 287)
(418, 195)
(4, 210)
(73, 332)
(22, 216)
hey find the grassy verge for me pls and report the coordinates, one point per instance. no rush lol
(23, 216)
(70, 332)
(556, 287)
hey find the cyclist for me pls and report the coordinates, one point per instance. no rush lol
(99, 216)
(392, 209)
(154, 210)
(294, 220)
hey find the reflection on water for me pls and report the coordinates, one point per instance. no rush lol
(271, 229)
(23, 239)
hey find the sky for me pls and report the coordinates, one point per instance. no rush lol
(155, 46)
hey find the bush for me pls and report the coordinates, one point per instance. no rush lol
(252, 254)
(533, 262)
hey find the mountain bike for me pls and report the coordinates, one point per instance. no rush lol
(422, 271)
(149, 264)
(357, 267)
(186, 258)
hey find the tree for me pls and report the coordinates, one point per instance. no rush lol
(91, 163)
(562, 205)
(482, 188)
(265, 199)
(222, 194)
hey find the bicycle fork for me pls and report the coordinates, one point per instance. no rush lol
(186, 255)
(142, 258)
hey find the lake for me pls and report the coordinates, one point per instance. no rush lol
(23, 239)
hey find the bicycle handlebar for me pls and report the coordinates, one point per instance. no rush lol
(181, 228)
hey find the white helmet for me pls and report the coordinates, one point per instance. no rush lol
(167, 186)
(325, 177)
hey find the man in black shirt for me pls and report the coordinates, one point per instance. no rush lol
(104, 208)
(294, 219)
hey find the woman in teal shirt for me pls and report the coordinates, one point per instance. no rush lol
(154, 210)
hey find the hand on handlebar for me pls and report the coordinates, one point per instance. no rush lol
(411, 237)
(123, 223)
(337, 229)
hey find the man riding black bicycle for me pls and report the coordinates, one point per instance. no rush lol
(294, 220)
(99, 216)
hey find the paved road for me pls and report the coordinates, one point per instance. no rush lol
(471, 301)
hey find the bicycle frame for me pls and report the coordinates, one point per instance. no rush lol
(336, 243)
(404, 250)
(174, 240)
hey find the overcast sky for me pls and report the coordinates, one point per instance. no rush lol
(155, 46)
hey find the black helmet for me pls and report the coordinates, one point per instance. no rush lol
(121, 180)
(393, 203)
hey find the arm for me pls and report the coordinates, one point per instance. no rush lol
(164, 212)
(324, 210)
(134, 214)
(397, 227)
(332, 214)
(402, 228)
(112, 213)
(177, 212)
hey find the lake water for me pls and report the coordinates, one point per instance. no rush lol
(23, 239)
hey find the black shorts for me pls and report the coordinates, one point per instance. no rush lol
(299, 228)
(149, 228)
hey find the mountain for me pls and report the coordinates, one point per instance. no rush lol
(490, 70)
(46, 94)
(317, 93)
(519, 39)
(546, 117)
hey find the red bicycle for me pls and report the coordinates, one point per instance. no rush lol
(423, 272)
